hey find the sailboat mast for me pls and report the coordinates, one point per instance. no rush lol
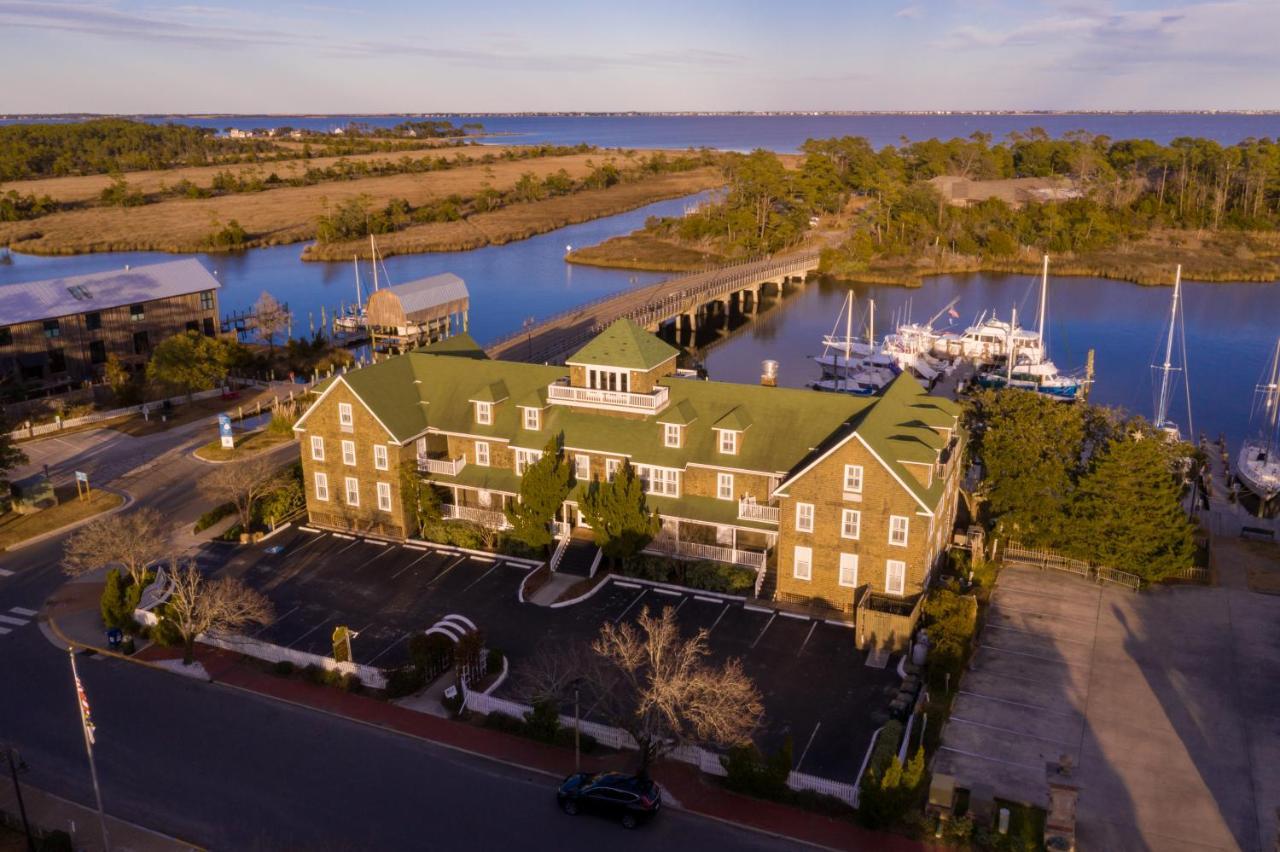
(1162, 407)
(373, 260)
(1273, 400)
(1013, 323)
(355, 263)
(871, 326)
(1044, 300)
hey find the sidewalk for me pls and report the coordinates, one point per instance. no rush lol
(47, 812)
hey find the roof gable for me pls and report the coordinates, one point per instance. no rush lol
(627, 345)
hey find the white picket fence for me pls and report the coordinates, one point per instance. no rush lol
(615, 738)
(32, 431)
(371, 676)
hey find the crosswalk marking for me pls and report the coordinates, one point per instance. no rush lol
(5, 572)
(17, 622)
(4, 630)
(21, 610)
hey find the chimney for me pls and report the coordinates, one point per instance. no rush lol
(769, 374)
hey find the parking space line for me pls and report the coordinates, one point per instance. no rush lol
(411, 564)
(343, 536)
(276, 621)
(671, 592)
(683, 601)
(5, 572)
(440, 576)
(386, 649)
(643, 592)
(991, 626)
(1025, 654)
(308, 633)
(808, 635)
(992, 759)
(306, 544)
(763, 629)
(481, 577)
(706, 599)
(376, 558)
(354, 542)
(4, 630)
(1042, 709)
(309, 529)
(795, 615)
(415, 547)
(1011, 731)
(835, 623)
(751, 608)
(21, 610)
(376, 541)
(807, 745)
(622, 584)
(718, 617)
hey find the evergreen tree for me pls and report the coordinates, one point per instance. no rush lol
(1031, 447)
(1127, 511)
(542, 491)
(619, 515)
(10, 455)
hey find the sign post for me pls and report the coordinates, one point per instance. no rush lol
(224, 432)
(82, 485)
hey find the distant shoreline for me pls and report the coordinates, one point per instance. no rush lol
(646, 113)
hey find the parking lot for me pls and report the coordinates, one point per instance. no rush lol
(814, 683)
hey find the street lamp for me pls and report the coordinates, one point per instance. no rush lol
(577, 745)
(15, 763)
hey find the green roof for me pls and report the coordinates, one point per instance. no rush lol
(682, 413)
(736, 420)
(627, 345)
(462, 345)
(493, 392)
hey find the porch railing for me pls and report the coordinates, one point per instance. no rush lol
(567, 394)
(712, 552)
(483, 517)
(750, 510)
(441, 467)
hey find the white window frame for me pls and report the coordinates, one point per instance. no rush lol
(724, 486)
(351, 488)
(611, 468)
(896, 522)
(802, 556)
(525, 458)
(384, 496)
(662, 481)
(349, 453)
(582, 467)
(317, 448)
(380, 457)
(848, 562)
(322, 486)
(346, 420)
(532, 419)
(846, 516)
(804, 517)
(671, 434)
(728, 442)
(853, 479)
(484, 413)
(892, 566)
(482, 453)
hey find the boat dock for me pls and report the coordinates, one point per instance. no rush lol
(1226, 515)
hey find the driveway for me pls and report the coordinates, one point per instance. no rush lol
(1166, 702)
(816, 688)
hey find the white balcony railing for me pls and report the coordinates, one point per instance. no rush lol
(568, 395)
(711, 552)
(750, 510)
(442, 467)
(483, 517)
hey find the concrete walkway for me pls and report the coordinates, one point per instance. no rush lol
(47, 812)
(553, 589)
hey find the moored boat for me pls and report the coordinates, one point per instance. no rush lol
(1258, 463)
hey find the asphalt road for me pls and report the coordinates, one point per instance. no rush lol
(230, 770)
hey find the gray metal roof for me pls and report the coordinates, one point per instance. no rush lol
(75, 294)
(429, 292)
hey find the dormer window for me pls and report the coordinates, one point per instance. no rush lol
(672, 433)
(728, 442)
(484, 413)
(532, 419)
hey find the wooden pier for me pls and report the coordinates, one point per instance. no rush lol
(686, 300)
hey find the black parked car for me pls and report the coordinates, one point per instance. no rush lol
(623, 797)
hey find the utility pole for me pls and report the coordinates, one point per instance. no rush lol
(17, 791)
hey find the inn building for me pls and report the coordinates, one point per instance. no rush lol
(60, 332)
(837, 502)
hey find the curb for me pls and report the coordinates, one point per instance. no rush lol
(154, 832)
(127, 501)
(195, 454)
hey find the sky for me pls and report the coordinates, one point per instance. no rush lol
(268, 56)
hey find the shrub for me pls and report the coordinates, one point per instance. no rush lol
(752, 773)
(586, 742)
(165, 633)
(493, 662)
(543, 721)
(214, 515)
(405, 680)
(119, 599)
(56, 841)
(427, 651)
(316, 674)
(284, 668)
(504, 722)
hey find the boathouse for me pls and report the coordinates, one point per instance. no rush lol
(418, 312)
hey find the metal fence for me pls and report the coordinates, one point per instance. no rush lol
(1015, 554)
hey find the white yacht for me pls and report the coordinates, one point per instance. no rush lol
(1258, 465)
(854, 365)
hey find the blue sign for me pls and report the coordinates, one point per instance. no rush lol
(224, 425)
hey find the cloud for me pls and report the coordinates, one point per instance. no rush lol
(912, 12)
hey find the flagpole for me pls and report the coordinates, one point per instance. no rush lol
(86, 726)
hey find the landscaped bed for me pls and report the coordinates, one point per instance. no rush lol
(246, 444)
(16, 528)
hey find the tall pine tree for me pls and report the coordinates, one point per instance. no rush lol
(1127, 511)
(619, 515)
(545, 484)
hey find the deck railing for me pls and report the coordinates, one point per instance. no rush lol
(483, 517)
(750, 510)
(712, 552)
(567, 394)
(442, 467)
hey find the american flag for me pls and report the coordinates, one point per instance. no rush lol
(84, 711)
(954, 313)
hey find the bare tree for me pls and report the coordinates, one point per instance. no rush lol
(133, 540)
(198, 605)
(242, 484)
(271, 318)
(658, 687)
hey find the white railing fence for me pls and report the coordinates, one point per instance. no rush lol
(622, 399)
(670, 546)
(442, 467)
(750, 510)
(616, 738)
(561, 547)
(483, 517)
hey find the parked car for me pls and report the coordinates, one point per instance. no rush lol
(627, 798)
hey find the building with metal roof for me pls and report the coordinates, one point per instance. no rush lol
(418, 312)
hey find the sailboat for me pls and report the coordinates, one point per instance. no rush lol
(1030, 369)
(1162, 420)
(1258, 465)
(852, 365)
(912, 345)
(354, 319)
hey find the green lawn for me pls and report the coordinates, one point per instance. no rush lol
(15, 528)
(247, 444)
